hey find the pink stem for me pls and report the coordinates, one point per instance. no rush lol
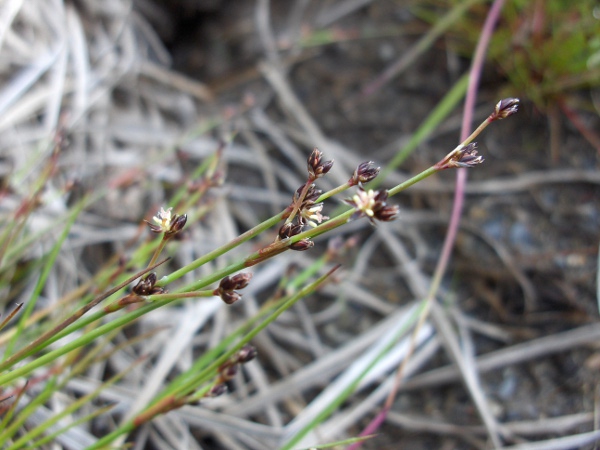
(461, 180)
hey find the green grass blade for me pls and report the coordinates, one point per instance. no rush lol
(49, 264)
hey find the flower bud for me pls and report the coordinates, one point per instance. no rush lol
(217, 390)
(316, 167)
(145, 285)
(505, 107)
(237, 281)
(289, 229)
(246, 353)
(301, 245)
(230, 297)
(228, 371)
(363, 173)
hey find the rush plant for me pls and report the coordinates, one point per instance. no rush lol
(44, 351)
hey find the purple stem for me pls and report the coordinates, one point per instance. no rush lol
(461, 180)
(461, 174)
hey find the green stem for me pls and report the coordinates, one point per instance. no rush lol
(70, 324)
(49, 264)
(408, 183)
(175, 296)
(81, 341)
(158, 251)
(222, 250)
(191, 383)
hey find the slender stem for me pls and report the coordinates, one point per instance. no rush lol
(80, 341)
(298, 202)
(162, 403)
(449, 240)
(175, 296)
(158, 251)
(408, 183)
(222, 250)
(335, 191)
(56, 332)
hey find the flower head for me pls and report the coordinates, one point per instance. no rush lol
(316, 166)
(310, 213)
(302, 245)
(227, 286)
(364, 173)
(504, 108)
(373, 205)
(162, 221)
(167, 223)
(462, 156)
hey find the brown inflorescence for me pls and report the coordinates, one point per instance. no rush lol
(146, 286)
(316, 166)
(504, 108)
(364, 173)
(373, 205)
(167, 223)
(228, 285)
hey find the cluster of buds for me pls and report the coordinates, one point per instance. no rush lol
(304, 208)
(309, 212)
(290, 229)
(146, 286)
(228, 286)
(228, 370)
(364, 173)
(316, 166)
(167, 223)
(373, 205)
(504, 108)
(463, 156)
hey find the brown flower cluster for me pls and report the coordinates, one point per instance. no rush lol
(228, 370)
(504, 108)
(373, 205)
(464, 156)
(228, 286)
(146, 286)
(316, 166)
(167, 223)
(305, 210)
(364, 173)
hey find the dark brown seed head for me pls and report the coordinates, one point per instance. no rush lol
(240, 280)
(177, 223)
(465, 156)
(314, 159)
(312, 194)
(386, 213)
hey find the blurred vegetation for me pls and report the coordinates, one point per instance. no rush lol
(546, 49)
